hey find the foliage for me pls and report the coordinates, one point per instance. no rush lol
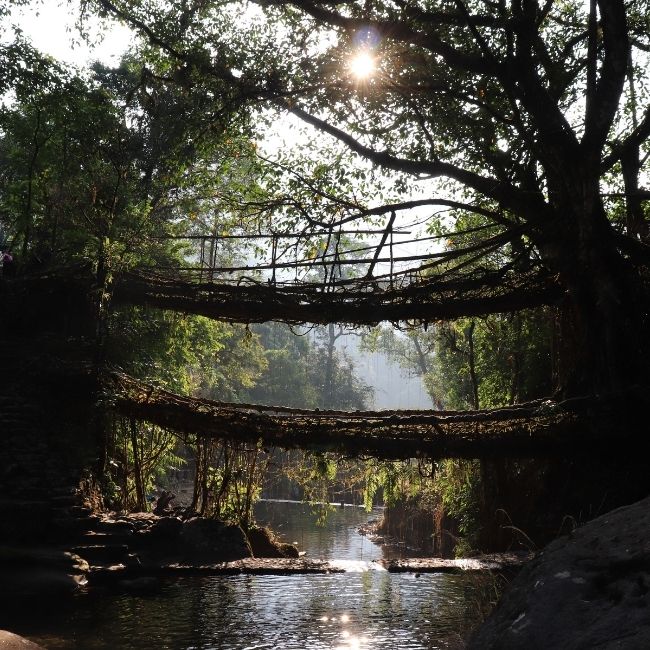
(306, 374)
(458, 487)
(526, 121)
(308, 371)
(141, 455)
(469, 363)
(286, 380)
(528, 117)
(228, 480)
(105, 166)
(508, 361)
(108, 166)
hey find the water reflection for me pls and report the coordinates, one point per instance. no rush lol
(297, 522)
(368, 610)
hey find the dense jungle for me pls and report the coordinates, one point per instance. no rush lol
(208, 240)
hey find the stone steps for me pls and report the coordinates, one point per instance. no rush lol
(108, 546)
(95, 537)
(103, 554)
(64, 500)
(69, 527)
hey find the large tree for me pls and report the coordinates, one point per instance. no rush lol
(531, 116)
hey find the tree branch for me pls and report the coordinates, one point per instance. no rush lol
(398, 30)
(633, 140)
(505, 194)
(601, 111)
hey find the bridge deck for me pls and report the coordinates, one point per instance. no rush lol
(543, 427)
(365, 303)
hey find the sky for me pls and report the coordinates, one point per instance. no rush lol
(51, 27)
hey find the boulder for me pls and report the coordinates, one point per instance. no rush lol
(590, 589)
(166, 529)
(264, 544)
(162, 538)
(289, 550)
(212, 541)
(10, 641)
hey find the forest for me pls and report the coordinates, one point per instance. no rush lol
(459, 186)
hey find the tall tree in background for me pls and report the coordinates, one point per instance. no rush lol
(306, 374)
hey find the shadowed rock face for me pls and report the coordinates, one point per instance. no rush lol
(588, 590)
(210, 540)
(264, 544)
(28, 571)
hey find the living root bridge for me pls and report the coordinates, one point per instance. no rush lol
(544, 428)
(366, 304)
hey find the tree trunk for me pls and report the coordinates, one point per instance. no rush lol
(329, 368)
(141, 503)
(516, 354)
(27, 218)
(471, 359)
(197, 475)
(602, 347)
(602, 344)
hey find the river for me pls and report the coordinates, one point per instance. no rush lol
(362, 609)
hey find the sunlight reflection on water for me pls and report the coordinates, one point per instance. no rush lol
(363, 609)
(368, 610)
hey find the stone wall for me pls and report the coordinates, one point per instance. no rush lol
(49, 437)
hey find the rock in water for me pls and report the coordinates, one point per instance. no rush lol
(211, 541)
(590, 589)
(264, 544)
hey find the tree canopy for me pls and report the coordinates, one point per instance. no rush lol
(531, 119)
(516, 130)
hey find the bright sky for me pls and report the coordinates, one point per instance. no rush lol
(51, 27)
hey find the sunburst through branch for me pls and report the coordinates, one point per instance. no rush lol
(363, 65)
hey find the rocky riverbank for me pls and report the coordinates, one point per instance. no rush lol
(112, 545)
(9, 641)
(145, 543)
(590, 589)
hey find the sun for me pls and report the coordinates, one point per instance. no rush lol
(362, 65)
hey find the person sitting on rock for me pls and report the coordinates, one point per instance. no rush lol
(162, 504)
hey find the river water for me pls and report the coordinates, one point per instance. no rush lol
(362, 609)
